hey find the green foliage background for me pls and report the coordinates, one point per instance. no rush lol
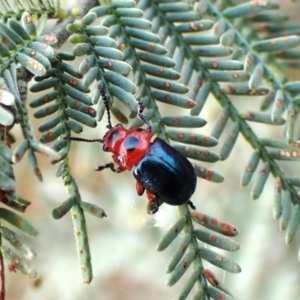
(125, 263)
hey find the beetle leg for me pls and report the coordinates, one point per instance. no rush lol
(140, 188)
(109, 166)
(152, 207)
(151, 197)
(142, 116)
(191, 204)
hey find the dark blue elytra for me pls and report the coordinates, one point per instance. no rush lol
(166, 173)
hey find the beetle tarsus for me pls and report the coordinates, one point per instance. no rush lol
(108, 166)
(191, 204)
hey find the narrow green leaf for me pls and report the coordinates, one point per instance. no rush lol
(197, 153)
(19, 151)
(216, 293)
(219, 27)
(44, 85)
(293, 224)
(215, 64)
(214, 224)
(43, 60)
(250, 168)
(52, 134)
(281, 154)
(109, 53)
(256, 76)
(191, 138)
(49, 124)
(201, 98)
(81, 117)
(201, 40)
(6, 167)
(277, 44)
(220, 123)
(243, 90)
(101, 10)
(86, 64)
(227, 38)
(31, 64)
(285, 210)
(229, 141)
(179, 252)
(64, 208)
(28, 24)
(219, 260)
(6, 183)
(117, 66)
(189, 285)
(148, 47)
(120, 81)
(18, 221)
(195, 26)
(34, 165)
(181, 268)
(207, 174)
(64, 55)
(89, 18)
(19, 263)
(81, 49)
(291, 123)
(212, 51)
(74, 126)
(67, 68)
(103, 41)
(96, 30)
(47, 110)
(19, 29)
(136, 23)
(43, 99)
(160, 72)
(184, 121)
(93, 209)
(77, 95)
(16, 38)
(216, 240)
(293, 180)
(260, 117)
(171, 234)
(230, 76)
(260, 181)
(173, 99)
(44, 150)
(180, 17)
(127, 99)
(249, 62)
(17, 242)
(244, 9)
(155, 59)
(119, 115)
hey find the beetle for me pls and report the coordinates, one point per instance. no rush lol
(160, 170)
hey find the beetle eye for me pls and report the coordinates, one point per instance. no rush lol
(114, 136)
(130, 143)
(105, 148)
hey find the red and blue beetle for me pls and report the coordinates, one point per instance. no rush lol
(165, 174)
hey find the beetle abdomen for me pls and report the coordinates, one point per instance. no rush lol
(166, 173)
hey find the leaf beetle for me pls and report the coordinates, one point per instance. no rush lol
(160, 170)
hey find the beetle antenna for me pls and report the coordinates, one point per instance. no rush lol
(69, 138)
(104, 98)
(142, 116)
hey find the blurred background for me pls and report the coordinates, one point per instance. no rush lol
(125, 262)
